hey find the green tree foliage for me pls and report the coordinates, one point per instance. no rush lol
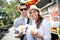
(9, 9)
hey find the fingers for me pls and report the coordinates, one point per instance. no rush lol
(21, 33)
(32, 32)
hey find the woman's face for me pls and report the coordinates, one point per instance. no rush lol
(33, 13)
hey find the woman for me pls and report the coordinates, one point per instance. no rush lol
(42, 25)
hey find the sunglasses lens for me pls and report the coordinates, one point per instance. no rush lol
(23, 9)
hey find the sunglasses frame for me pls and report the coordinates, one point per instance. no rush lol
(23, 9)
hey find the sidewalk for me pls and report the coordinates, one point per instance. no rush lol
(10, 35)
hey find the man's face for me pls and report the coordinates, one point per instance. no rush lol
(23, 9)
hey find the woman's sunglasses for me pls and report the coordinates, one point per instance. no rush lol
(23, 9)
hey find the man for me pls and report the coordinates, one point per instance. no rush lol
(22, 20)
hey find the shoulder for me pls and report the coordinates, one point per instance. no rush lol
(18, 19)
(45, 23)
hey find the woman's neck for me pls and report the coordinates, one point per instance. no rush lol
(36, 18)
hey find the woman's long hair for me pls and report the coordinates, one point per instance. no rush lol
(39, 20)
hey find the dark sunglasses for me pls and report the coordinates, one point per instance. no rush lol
(23, 9)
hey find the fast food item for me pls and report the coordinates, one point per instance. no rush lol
(22, 28)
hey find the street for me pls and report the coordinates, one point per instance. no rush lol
(10, 35)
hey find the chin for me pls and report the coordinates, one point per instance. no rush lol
(34, 18)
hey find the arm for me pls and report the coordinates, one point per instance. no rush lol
(17, 34)
(47, 34)
(46, 29)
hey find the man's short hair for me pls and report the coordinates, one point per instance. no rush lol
(24, 4)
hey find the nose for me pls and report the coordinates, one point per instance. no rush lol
(23, 10)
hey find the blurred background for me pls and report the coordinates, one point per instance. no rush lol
(9, 11)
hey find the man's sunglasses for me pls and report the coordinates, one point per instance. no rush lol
(23, 9)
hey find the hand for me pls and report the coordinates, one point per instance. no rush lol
(23, 30)
(36, 34)
(18, 35)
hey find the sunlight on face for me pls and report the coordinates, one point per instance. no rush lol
(33, 13)
(23, 10)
